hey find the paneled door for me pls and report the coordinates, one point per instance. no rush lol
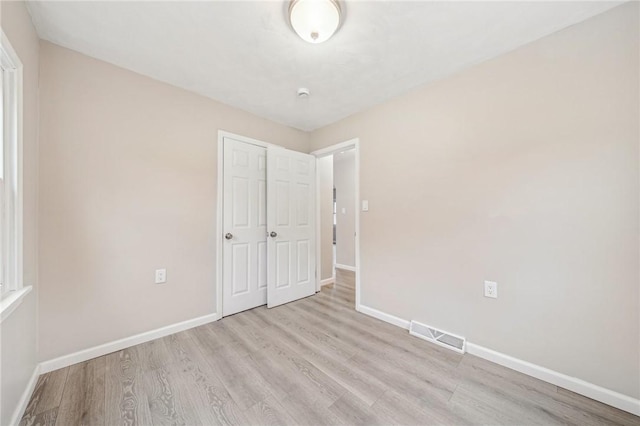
(291, 222)
(244, 251)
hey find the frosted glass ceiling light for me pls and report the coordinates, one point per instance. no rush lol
(314, 21)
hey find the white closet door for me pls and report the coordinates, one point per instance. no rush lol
(244, 271)
(291, 222)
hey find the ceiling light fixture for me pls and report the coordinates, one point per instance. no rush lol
(314, 21)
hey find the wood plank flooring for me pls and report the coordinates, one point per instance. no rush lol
(315, 361)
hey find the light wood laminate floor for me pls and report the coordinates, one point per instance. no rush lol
(314, 361)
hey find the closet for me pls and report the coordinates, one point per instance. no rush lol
(268, 225)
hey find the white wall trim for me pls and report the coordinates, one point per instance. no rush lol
(327, 281)
(219, 224)
(116, 345)
(579, 386)
(12, 224)
(383, 316)
(334, 149)
(319, 279)
(345, 267)
(330, 150)
(11, 301)
(609, 397)
(25, 397)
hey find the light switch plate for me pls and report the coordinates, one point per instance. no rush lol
(365, 205)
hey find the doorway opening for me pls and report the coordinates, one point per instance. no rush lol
(338, 218)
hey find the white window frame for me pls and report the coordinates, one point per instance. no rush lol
(12, 291)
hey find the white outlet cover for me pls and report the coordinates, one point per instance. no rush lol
(161, 276)
(491, 289)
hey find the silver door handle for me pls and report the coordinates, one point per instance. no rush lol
(228, 235)
(273, 234)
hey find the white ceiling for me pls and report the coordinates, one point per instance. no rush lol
(245, 54)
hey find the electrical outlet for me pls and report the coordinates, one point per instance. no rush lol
(161, 276)
(491, 289)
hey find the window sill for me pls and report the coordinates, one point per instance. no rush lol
(11, 301)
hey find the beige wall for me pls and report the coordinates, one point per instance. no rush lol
(325, 166)
(521, 170)
(344, 166)
(19, 330)
(127, 186)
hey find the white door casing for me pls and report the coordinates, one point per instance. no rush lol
(244, 271)
(291, 198)
(331, 150)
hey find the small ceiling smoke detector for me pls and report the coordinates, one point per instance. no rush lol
(314, 21)
(303, 92)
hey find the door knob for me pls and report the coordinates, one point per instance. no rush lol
(228, 235)
(273, 234)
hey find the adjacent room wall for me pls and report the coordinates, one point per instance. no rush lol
(127, 185)
(344, 166)
(19, 331)
(325, 166)
(522, 170)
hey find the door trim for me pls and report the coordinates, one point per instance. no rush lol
(330, 150)
(219, 208)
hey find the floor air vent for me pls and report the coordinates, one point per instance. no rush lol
(439, 337)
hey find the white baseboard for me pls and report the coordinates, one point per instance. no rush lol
(598, 393)
(391, 319)
(25, 397)
(590, 390)
(107, 348)
(327, 281)
(345, 267)
(609, 397)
